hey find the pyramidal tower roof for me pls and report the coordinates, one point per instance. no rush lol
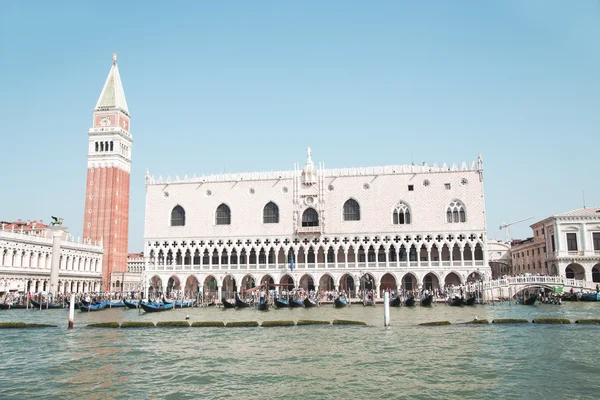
(112, 95)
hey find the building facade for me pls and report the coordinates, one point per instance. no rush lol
(565, 244)
(106, 216)
(26, 254)
(388, 227)
(500, 258)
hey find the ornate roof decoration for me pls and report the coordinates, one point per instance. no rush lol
(112, 96)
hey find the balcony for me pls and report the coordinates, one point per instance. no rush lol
(309, 230)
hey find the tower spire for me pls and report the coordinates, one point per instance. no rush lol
(112, 95)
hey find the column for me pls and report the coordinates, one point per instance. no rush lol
(219, 292)
(55, 265)
(377, 287)
(429, 257)
(462, 257)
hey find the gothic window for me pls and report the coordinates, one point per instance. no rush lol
(310, 217)
(101, 146)
(455, 212)
(351, 210)
(178, 216)
(96, 146)
(271, 213)
(111, 145)
(401, 214)
(223, 215)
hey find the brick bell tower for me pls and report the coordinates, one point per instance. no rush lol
(106, 216)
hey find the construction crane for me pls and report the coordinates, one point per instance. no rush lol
(505, 226)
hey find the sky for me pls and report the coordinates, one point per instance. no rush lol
(215, 86)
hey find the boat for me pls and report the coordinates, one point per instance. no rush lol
(131, 304)
(296, 303)
(395, 301)
(457, 301)
(227, 304)
(184, 304)
(409, 302)
(427, 300)
(590, 297)
(44, 305)
(280, 303)
(263, 305)
(339, 302)
(528, 301)
(308, 303)
(92, 307)
(470, 301)
(12, 306)
(241, 303)
(156, 307)
(116, 304)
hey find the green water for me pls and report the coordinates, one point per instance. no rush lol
(402, 361)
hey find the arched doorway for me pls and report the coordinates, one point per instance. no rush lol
(229, 287)
(173, 284)
(347, 284)
(307, 283)
(575, 271)
(474, 277)
(268, 281)
(286, 282)
(431, 282)
(388, 282)
(248, 282)
(452, 279)
(210, 288)
(155, 286)
(553, 270)
(191, 286)
(326, 283)
(409, 282)
(596, 273)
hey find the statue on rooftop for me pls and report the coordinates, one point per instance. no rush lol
(56, 221)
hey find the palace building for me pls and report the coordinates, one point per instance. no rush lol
(385, 227)
(106, 215)
(26, 254)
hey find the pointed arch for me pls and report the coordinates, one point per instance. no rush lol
(178, 216)
(456, 212)
(401, 214)
(310, 217)
(351, 210)
(270, 213)
(223, 215)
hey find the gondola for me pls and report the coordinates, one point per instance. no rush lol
(395, 301)
(280, 303)
(227, 304)
(156, 307)
(528, 301)
(44, 305)
(470, 301)
(427, 300)
(184, 304)
(9, 306)
(92, 307)
(409, 302)
(241, 303)
(130, 304)
(590, 297)
(308, 303)
(296, 303)
(339, 303)
(457, 302)
(263, 305)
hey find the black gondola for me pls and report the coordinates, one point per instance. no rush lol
(457, 301)
(241, 303)
(263, 305)
(339, 303)
(45, 305)
(296, 303)
(131, 304)
(227, 304)
(409, 302)
(528, 301)
(395, 302)
(427, 300)
(7, 306)
(470, 301)
(310, 303)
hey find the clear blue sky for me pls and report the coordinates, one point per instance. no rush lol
(246, 86)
